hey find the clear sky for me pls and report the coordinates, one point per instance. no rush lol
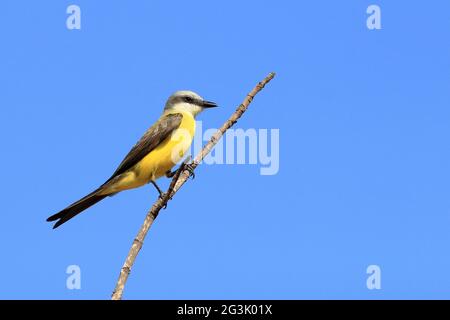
(364, 160)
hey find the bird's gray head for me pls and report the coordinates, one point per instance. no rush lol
(188, 101)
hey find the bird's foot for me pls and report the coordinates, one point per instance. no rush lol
(187, 166)
(162, 197)
(190, 169)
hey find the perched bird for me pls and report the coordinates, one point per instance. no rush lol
(153, 156)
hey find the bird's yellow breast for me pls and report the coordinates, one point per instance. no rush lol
(169, 152)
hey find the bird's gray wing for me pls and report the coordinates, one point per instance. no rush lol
(149, 141)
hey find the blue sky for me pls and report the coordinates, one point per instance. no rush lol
(363, 117)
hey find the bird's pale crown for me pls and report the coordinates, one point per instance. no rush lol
(188, 101)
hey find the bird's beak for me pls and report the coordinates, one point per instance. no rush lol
(209, 104)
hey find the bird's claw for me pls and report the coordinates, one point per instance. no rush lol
(190, 169)
(162, 196)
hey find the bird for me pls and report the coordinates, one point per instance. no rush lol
(161, 147)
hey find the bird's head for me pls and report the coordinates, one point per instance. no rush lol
(188, 101)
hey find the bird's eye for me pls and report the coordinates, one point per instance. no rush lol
(188, 99)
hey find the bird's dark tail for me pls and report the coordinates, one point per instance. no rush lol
(76, 208)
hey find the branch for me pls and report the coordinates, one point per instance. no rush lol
(178, 180)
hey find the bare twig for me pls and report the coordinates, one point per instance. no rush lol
(178, 180)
